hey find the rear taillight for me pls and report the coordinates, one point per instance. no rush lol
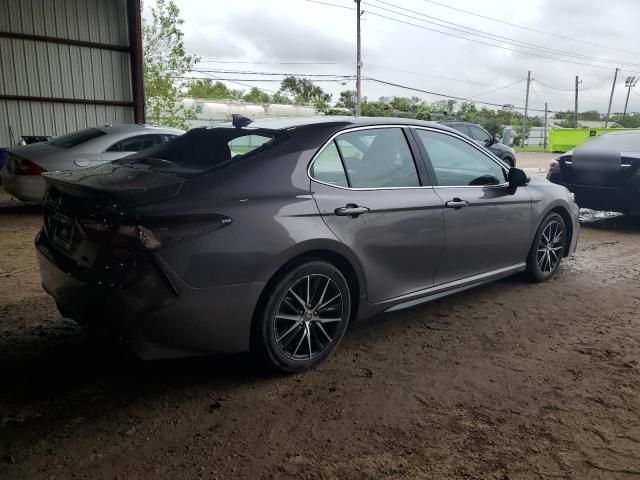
(554, 166)
(25, 167)
(124, 236)
(160, 231)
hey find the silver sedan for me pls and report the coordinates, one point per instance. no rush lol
(21, 176)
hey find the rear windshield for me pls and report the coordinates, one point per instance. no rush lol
(201, 149)
(76, 138)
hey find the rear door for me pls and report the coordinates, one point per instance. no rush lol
(486, 227)
(378, 200)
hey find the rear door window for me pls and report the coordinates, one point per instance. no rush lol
(136, 144)
(378, 158)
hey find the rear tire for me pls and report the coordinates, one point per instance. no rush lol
(304, 317)
(548, 248)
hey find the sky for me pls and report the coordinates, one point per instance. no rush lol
(590, 39)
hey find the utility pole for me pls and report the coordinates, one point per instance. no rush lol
(630, 82)
(544, 130)
(613, 87)
(526, 109)
(358, 63)
(575, 120)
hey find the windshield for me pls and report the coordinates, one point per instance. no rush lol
(201, 149)
(76, 138)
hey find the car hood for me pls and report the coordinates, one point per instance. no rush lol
(503, 148)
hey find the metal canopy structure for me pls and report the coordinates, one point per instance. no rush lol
(67, 65)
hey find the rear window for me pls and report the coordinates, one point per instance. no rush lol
(203, 148)
(76, 138)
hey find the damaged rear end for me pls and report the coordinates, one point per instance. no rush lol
(108, 232)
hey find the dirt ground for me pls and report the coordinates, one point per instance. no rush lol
(508, 381)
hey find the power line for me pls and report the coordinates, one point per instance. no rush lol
(492, 36)
(531, 29)
(282, 74)
(394, 69)
(238, 80)
(383, 67)
(453, 97)
(245, 62)
(463, 38)
(498, 89)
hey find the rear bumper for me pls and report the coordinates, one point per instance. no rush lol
(155, 313)
(28, 188)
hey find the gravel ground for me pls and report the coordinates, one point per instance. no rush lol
(508, 381)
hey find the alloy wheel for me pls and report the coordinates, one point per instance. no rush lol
(550, 247)
(308, 317)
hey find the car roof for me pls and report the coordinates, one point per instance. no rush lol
(285, 123)
(136, 127)
(624, 132)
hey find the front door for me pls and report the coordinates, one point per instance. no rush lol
(375, 200)
(486, 227)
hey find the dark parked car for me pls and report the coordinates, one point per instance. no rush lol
(484, 138)
(274, 236)
(604, 173)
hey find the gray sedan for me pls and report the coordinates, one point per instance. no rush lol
(21, 176)
(274, 235)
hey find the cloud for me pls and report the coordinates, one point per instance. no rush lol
(277, 38)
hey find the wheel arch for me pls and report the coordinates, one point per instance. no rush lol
(339, 259)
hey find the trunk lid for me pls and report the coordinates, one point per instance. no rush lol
(107, 190)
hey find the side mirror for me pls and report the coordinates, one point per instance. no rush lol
(517, 178)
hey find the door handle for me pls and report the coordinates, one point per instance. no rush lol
(351, 210)
(456, 203)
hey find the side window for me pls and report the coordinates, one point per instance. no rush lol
(134, 144)
(456, 163)
(378, 158)
(166, 137)
(461, 128)
(479, 134)
(328, 168)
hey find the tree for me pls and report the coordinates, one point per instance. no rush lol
(592, 115)
(305, 92)
(280, 99)
(376, 109)
(166, 59)
(209, 89)
(256, 95)
(347, 99)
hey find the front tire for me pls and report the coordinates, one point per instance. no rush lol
(509, 161)
(547, 250)
(304, 317)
